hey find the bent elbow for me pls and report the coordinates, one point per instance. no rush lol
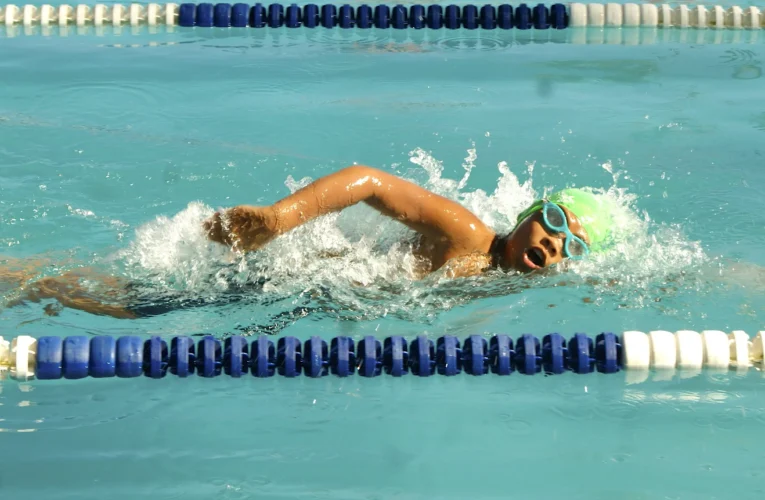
(359, 171)
(362, 181)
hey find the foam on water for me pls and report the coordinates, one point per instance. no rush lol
(359, 264)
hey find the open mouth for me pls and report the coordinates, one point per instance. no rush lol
(534, 257)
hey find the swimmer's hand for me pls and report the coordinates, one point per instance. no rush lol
(244, 228)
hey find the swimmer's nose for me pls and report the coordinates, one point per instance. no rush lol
(552, 246)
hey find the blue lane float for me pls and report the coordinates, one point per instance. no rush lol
(77, 357)
(398, 17)
(130, 357)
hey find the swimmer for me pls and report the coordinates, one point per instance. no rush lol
(569, 224)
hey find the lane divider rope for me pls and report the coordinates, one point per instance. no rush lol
(487, 17)
(77, 357)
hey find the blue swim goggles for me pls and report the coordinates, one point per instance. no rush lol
(555, 219)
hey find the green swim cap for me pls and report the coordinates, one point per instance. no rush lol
(589, 209)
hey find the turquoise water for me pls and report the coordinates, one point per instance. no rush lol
(114, 148)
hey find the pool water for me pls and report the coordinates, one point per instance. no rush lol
(115, 148)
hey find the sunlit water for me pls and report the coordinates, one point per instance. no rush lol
(114, 149)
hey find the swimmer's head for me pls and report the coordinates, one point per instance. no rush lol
(571, 223)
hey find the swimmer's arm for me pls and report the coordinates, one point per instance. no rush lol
(421, 210)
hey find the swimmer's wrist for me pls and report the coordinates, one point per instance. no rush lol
(274, 220)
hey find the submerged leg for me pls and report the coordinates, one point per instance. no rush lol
(103, 295)
(82, 289)
(16, 271)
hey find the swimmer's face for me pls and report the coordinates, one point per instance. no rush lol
(533, 246)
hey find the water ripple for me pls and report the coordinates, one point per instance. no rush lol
(121, 101)
(30, 407)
